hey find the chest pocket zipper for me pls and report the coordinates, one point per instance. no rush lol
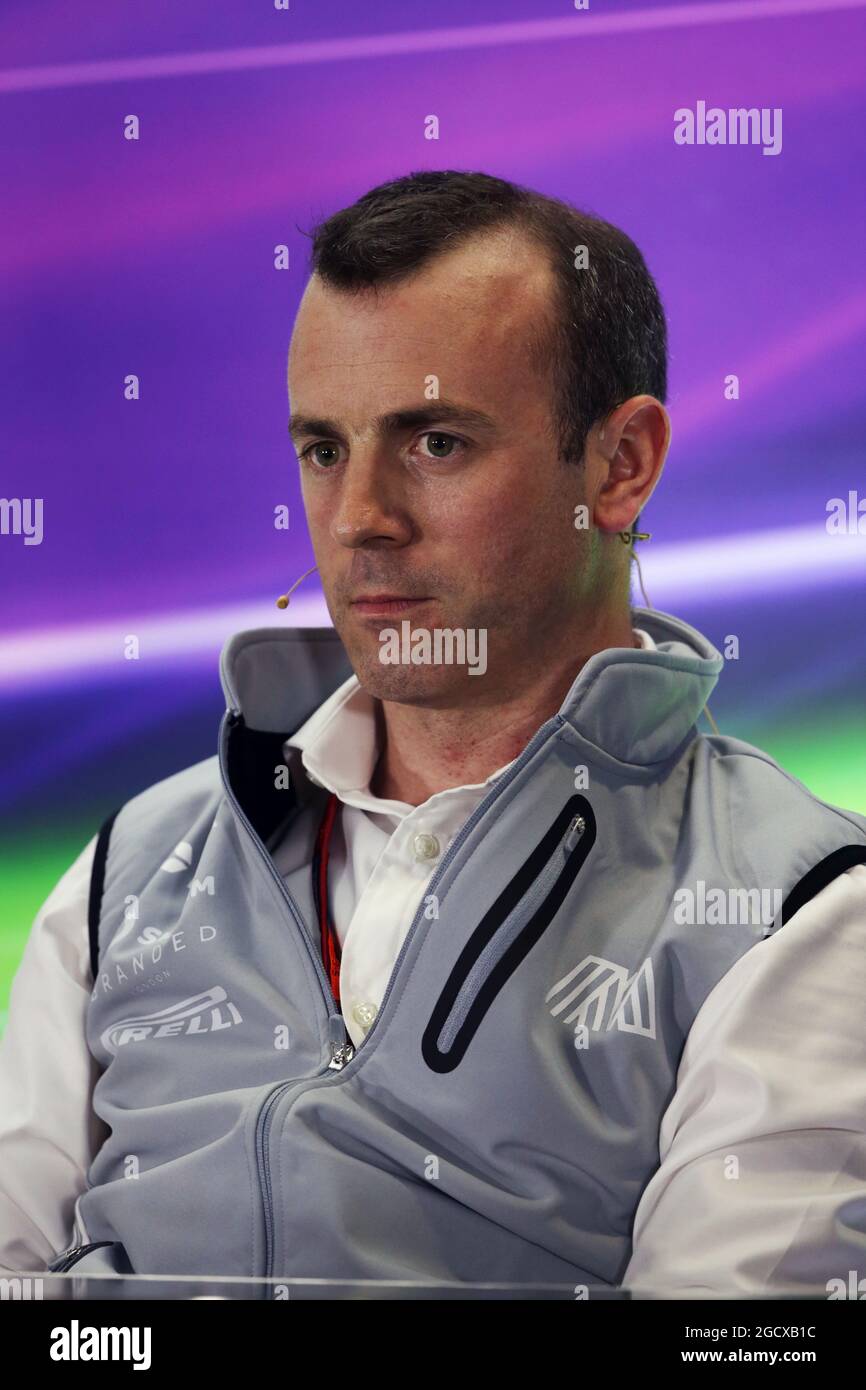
(507, 933)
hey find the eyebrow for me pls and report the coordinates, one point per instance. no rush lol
(393, 421)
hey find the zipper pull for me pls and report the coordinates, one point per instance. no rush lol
(342, 1050)
(340, 1056)
(575, 830)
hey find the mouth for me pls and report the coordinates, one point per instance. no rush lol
(386, 605)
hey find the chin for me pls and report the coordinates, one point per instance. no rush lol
(410, 685)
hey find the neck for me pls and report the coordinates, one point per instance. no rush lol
(426, 750)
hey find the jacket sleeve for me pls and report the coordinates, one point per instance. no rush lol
(762, 1181)
(48, 1132)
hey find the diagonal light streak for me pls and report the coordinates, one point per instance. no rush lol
(709, 570)
(581, 25)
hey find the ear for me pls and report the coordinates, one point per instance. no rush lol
(629, 449)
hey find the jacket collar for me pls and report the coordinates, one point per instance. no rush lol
(626, 704)
(638, 707)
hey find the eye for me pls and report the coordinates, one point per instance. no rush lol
(323, 463)
(441, 445)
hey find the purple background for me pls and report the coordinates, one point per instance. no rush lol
(156, 257)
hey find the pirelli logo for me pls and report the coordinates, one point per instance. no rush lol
(211, 1011)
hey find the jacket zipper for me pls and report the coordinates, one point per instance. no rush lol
(341, 1048)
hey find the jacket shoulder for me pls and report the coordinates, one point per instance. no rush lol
(780, 832)
(168, 810)
(191, 786)
(755, 779)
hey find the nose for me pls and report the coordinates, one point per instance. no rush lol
(370, 505)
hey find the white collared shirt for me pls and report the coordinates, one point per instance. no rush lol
(793, 1215)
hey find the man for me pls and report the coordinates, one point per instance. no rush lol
(405, 982)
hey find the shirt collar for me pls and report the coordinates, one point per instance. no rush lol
(339, 743)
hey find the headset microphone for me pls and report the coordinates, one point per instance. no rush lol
(283, 600)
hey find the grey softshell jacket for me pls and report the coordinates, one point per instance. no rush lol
(501, 1119)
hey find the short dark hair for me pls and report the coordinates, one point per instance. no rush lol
(606, 338)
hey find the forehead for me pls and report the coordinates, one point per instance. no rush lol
(465, 315)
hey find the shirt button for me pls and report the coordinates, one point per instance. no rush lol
(426, 847)
(363, 1014)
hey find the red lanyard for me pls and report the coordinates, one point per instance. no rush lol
(330, 943)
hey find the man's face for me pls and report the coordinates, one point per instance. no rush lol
(470, 520)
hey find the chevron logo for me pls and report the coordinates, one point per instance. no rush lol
(603, 995)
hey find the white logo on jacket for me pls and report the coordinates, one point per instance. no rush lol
(603, 995)
(179, 859)
(207, 1012)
